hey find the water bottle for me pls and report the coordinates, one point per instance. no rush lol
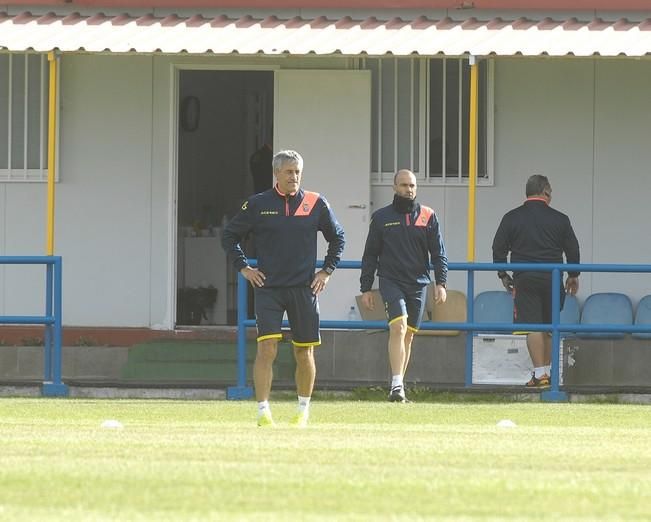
(352, 314)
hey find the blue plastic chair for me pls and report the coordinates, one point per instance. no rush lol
(643, 316)
(493, 306)
(570, 314)
(608, 308)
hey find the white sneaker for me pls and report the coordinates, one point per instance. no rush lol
(265, 419)
(300, 419)
(397, 394)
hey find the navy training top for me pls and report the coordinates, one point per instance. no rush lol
(285, 236)
(399, 246)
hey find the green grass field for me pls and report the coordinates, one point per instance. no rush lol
(199, 460)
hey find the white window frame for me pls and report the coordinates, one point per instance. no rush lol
(380, 177)
(9, 174)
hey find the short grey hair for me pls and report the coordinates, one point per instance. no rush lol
(536, 185)
(286, 156)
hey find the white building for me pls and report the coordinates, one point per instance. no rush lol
(159, 110)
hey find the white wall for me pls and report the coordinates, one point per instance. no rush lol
(115, 201)
(104, 199)
(597, 161)
(22, 233)
(622, 174)
(543, 124)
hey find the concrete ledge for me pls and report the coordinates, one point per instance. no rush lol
(94, 392)
(27, 391)
(23, 335)
(204, 394)
(346, 358)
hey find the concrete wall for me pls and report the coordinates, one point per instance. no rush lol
(345, 359)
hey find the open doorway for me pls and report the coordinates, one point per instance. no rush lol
(225, 129)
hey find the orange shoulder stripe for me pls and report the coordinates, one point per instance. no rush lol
(423, 217)
(306, 206)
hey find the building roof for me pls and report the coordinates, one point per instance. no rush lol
(323, 36)
(573, 5)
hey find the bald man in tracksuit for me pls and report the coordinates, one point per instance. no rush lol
(402, 238)
(285, 221)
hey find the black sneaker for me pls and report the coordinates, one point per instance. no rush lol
(397, 394)
(535, 382)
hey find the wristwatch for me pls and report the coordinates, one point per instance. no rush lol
(328, 270)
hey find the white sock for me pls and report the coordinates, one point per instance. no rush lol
(396, 381)
(303, 404)
(263, 407)
(548, 369)
(539, 372)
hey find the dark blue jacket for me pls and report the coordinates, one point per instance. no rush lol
(399, 247)
(285, 236)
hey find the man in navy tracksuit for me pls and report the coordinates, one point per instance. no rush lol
(402, 238)
(536, 233)
(285, 221)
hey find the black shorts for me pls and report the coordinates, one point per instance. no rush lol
(302, 308)
(532, 298)
(402, 300)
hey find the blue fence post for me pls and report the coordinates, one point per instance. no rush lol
(55, 388)
(554, 394)
(241, 391)
(470, 312)
(47, 336)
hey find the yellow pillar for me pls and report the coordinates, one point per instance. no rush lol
(51, 149)
(472, 159)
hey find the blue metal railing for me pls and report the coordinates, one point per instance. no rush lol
(52, 385)
(556, 328)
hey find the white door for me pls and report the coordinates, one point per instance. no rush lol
(325, 115)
